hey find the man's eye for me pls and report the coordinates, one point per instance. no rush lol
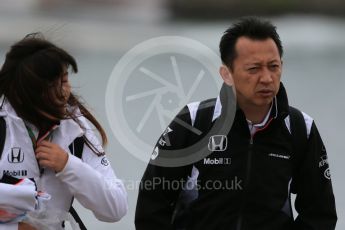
(253, 69)
(274, 67)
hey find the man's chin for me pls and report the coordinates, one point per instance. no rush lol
(264, 102)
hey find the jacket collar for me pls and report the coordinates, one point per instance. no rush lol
(282, 103)
(64, 134)
(280, 107)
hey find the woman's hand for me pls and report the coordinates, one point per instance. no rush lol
(50, 155)
(24, 226)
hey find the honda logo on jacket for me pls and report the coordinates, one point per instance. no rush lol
(218, 143)
(16, 156)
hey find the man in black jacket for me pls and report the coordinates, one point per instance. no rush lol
(245, 176)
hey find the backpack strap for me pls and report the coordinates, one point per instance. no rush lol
(2, 134)
(299, 137)
(77, 218)
(204, 115)
(2, 127)
(202, 122)
(76, 149)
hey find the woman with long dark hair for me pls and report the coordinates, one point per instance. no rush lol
(46, 126)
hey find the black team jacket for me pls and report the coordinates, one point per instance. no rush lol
(245, 186)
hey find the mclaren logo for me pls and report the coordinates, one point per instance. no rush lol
(218, 143)
(281, 156)
(16, 155)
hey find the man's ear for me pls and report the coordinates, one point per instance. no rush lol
(226, 75)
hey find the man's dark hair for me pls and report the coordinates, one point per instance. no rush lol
(250, 27)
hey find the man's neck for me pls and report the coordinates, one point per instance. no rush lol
(255, 114)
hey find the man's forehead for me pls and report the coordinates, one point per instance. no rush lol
(244, 42)
(256, 49)
(259, 61)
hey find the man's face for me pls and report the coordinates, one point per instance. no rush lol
(256, 71)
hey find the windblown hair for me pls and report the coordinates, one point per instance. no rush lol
(30, 79)
(250, 27)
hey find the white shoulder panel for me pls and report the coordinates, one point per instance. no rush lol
(308, 121)
(217, 109)
(193, 108)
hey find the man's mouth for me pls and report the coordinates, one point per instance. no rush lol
(266, 93)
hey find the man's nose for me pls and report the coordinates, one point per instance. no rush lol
(266, 76)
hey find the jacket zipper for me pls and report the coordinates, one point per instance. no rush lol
(249, 166)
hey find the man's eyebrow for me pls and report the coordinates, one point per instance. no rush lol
(274, 60)
(253, 63)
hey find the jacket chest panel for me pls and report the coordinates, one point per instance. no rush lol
(18, 157)
(268, 161)
(225, 165)
(272, 154)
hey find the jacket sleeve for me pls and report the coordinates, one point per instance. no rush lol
(16, 199)
(315, 203)
(161, 186)
(94, 184)
(9, 226)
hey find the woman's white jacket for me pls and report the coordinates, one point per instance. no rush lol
(91, 179)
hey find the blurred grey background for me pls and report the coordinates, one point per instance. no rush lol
(99, 32)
